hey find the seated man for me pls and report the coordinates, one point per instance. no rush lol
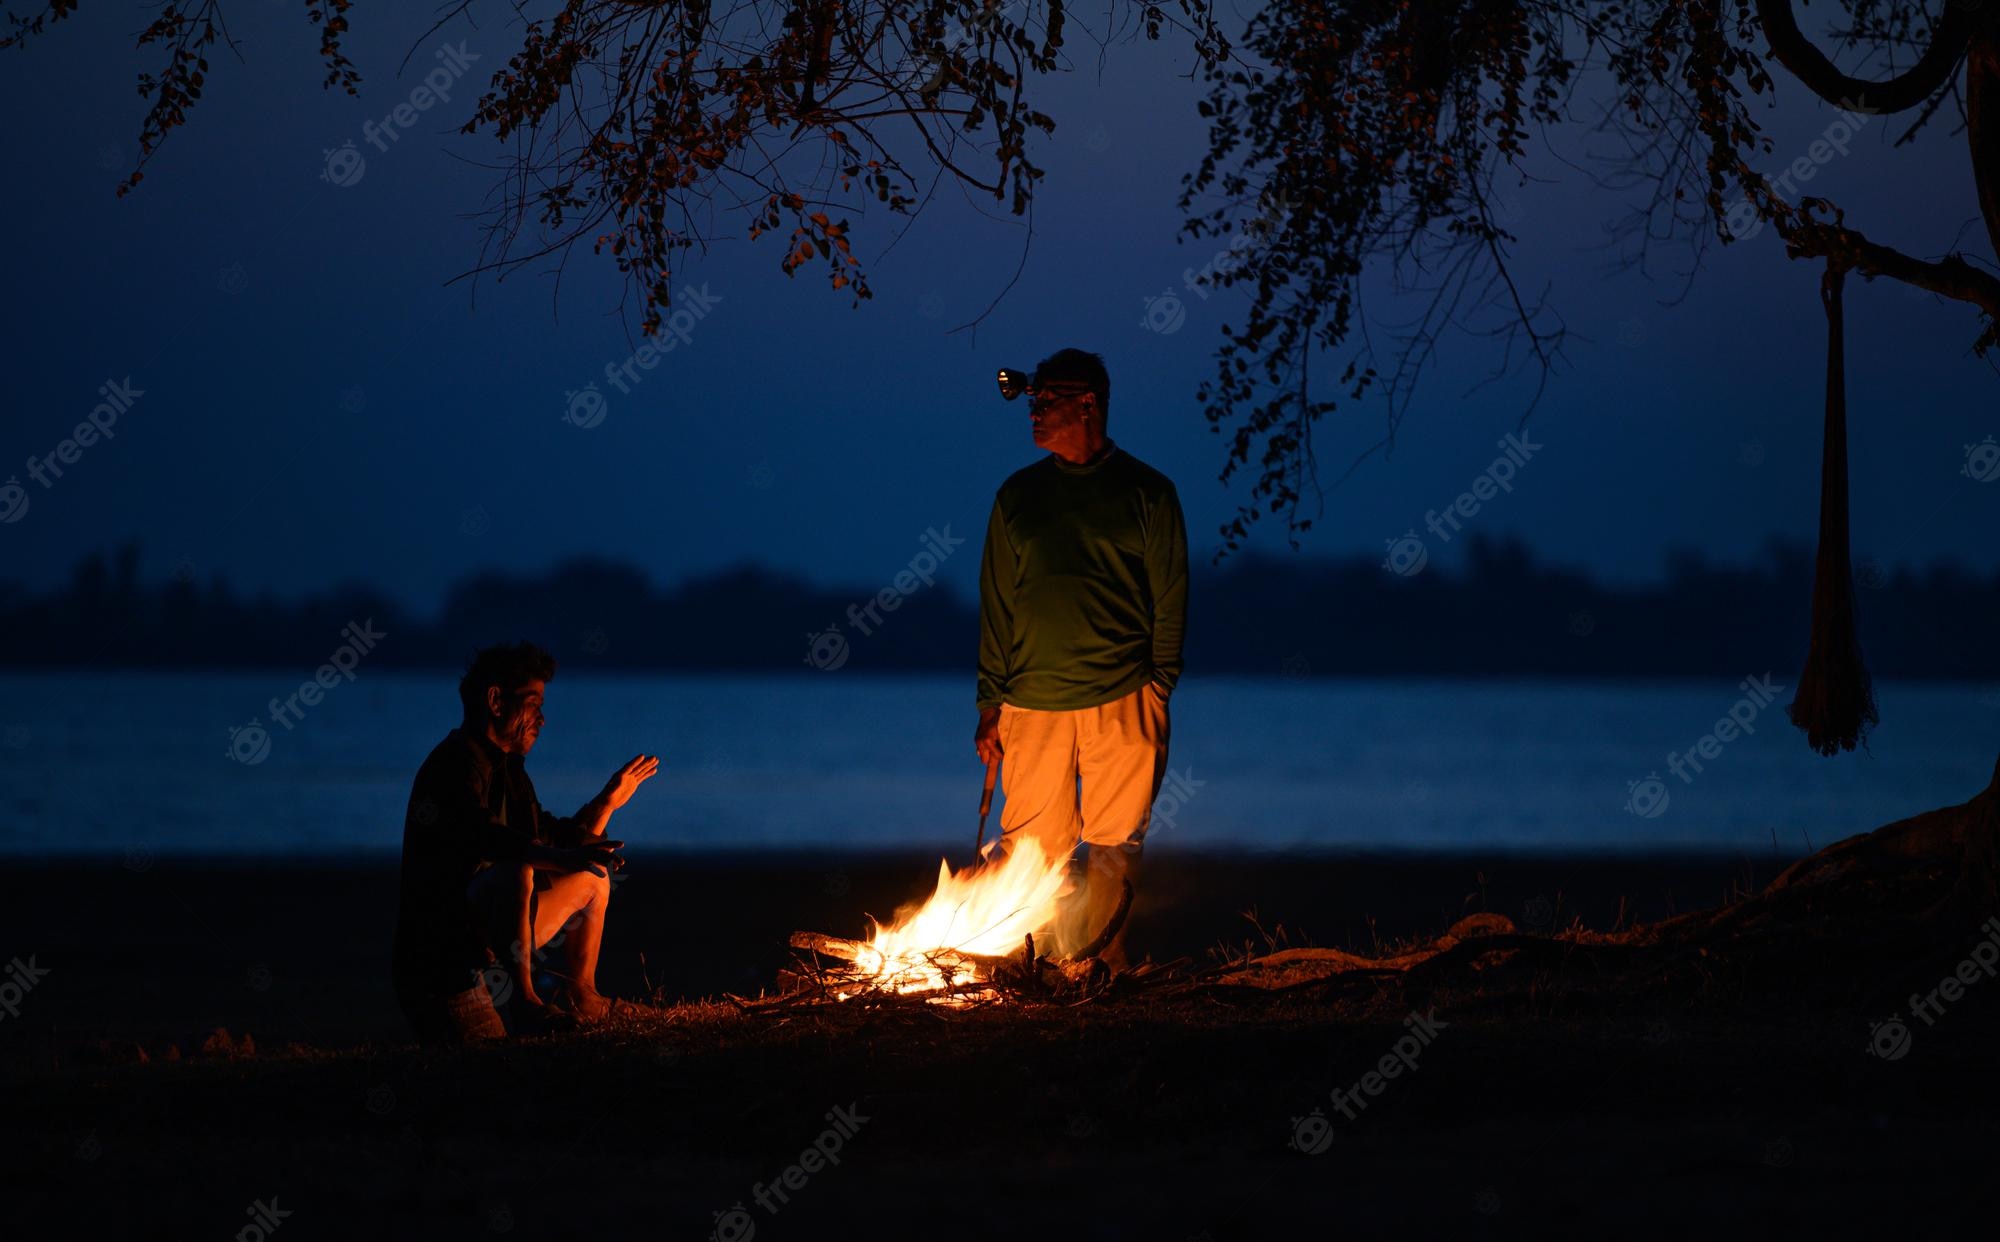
(487, 871)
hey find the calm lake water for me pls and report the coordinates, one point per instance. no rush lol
(144, 764)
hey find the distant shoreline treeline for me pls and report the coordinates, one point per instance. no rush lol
(1503, 615)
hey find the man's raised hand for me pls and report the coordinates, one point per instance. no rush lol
(626, 780)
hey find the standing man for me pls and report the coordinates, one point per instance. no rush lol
(1082, 604)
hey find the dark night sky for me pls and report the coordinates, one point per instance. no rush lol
(320, 407)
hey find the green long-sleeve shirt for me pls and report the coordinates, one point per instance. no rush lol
(1083, 584)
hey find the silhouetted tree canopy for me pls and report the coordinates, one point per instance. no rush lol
(1262, 615)
(1346, 136)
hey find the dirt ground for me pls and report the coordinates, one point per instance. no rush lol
(1532, 1106)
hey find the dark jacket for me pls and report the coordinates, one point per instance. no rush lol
(472, 805)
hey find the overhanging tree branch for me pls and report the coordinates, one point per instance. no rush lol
(1904, 91)
(1950, 276)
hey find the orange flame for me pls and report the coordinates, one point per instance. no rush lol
(983, 911)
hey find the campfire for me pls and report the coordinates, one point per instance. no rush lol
(972, 943)
(975, 933)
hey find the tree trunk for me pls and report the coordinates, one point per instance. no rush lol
(1959, 844)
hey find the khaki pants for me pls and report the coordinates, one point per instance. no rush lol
(1118, 754)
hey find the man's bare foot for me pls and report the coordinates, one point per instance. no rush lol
(588, 1004)
(534, 1016)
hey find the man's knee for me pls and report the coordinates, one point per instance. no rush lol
(580, 892)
